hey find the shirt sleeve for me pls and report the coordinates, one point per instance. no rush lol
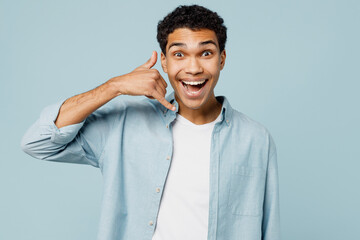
(271, 208)
(80, 143)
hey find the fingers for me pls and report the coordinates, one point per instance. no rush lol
(149, 82)
(159, 82)
(163, 82)
(151, 62)
(163, 101)
(161, 89)
(160, 92)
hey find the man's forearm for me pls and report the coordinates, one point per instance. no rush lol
(142, 81)
(77, 108)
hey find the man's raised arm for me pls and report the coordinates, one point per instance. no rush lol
(142, 81)
(59, 135)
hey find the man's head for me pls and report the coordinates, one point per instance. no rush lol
(194, 17)
(192, 39)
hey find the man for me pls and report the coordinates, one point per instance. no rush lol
(185, 166)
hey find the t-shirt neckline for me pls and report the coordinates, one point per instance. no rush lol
(187, 122)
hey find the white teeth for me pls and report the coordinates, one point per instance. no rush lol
(194, 83)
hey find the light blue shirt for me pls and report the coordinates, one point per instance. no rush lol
(130, 141)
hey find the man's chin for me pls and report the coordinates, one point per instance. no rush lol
(189, 103)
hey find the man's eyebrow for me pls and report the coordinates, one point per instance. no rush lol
(179, 44)
(208, 42)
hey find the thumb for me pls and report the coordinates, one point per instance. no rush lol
(151, 62)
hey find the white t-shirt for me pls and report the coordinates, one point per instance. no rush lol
(184, 207)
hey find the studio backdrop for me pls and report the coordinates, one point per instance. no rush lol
(291, 65)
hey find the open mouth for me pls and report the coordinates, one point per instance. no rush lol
(194, 86)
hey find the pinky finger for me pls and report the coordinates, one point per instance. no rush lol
(163, 101)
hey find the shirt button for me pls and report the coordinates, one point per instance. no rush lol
(167, 126)
(157, 190)
(151, 223)
(168, 158)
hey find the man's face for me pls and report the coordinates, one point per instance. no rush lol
(193, 63)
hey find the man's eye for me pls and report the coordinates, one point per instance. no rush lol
(207, 53)
(178, 54)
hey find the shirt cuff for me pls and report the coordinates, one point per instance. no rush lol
(62, 135)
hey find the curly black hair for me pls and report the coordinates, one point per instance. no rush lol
(194, 17)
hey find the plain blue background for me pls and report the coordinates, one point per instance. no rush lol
(291, 65)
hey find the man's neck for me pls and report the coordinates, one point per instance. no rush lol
(203, 115)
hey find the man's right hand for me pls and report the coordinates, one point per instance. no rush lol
(143, 80)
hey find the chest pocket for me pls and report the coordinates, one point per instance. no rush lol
(246, 192)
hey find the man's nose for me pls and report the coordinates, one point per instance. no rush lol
(193, 66)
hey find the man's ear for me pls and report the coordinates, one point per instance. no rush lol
(222, 59)
(163, 62)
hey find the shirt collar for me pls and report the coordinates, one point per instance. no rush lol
(226, 109)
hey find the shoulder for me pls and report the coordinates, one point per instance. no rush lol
(251, 131)
(247, 122)
(247, 125)
(241, 123)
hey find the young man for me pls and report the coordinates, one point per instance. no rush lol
(187, 166)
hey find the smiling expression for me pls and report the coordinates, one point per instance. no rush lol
(193, 63)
